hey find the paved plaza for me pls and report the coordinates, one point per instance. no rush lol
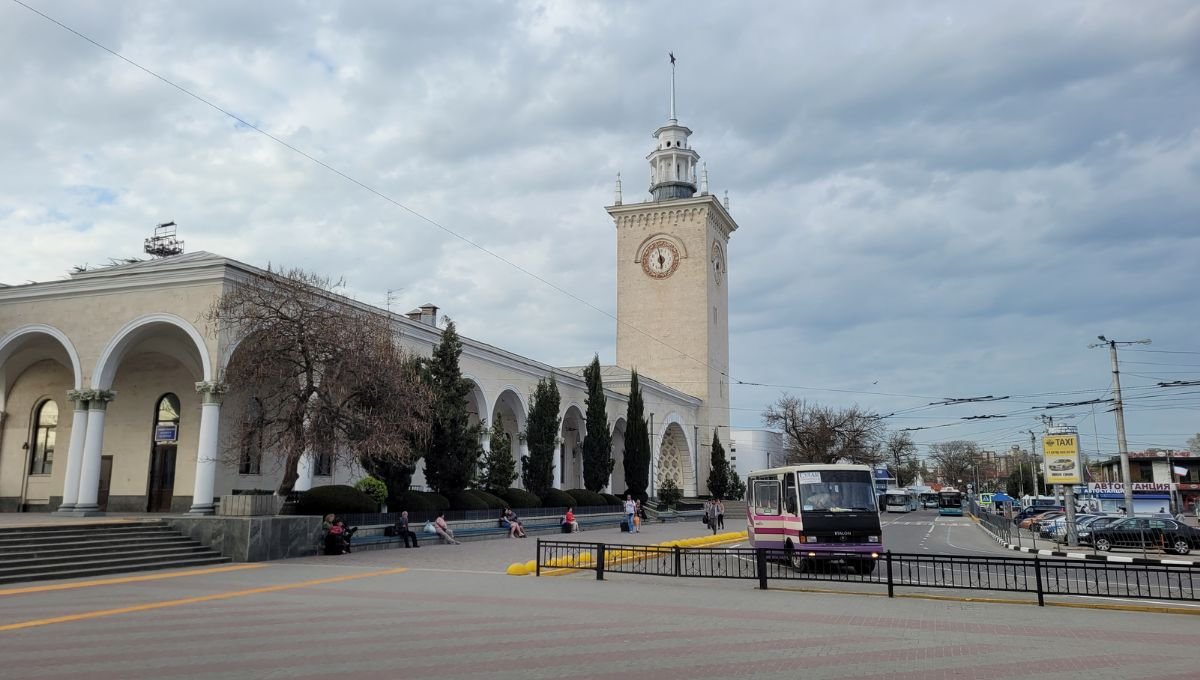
(450, 612)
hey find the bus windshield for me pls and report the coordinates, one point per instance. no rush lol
(950, 499)
(836, 491)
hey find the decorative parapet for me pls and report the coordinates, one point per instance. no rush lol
(212, 391)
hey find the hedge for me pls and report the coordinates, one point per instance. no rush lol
(493, 501)
(584, 498)
(465, 500)
(556, 498)
(373, 488)
(336, 498)
(419, 501)
(520, 498)
(612, 500)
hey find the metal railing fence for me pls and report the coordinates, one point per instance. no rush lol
(1157, 536)
(1038, 575)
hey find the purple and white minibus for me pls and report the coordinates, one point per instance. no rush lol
(811, 512)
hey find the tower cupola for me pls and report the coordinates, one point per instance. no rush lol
(673, 162)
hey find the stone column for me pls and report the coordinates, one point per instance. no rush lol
(521, 453)
(207, 450)
(93, 444)
(304, 472)
(75, 450)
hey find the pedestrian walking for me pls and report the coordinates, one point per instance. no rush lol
(720, 514)
(630, 513)
(710, 515)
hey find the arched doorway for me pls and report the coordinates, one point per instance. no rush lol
(570, 452)
(675, 459)
(510, 412)
(616, 483)
(161, 478)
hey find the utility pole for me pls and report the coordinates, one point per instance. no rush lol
(1033, 463)
(1119, 414)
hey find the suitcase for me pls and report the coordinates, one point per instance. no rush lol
(625, 525)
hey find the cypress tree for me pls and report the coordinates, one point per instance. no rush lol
(597, 442)
(453, 451)
(499, 468)
(718, 477)
(541, 435)
(637, 443)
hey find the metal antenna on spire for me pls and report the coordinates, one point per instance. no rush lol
(704, 181)
(617, 197)
(672, 56)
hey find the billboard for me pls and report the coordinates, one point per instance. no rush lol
(1061, 453)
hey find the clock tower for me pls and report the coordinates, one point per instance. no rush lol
(673, 291)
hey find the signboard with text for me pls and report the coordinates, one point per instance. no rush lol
(1062, 458)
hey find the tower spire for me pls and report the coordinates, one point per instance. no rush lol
(617, 196)
(672, 56)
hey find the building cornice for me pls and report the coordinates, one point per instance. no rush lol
(664, 212)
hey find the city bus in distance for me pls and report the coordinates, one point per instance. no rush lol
(929, 499)
(950, 503)
(805, 510)
(900, 500)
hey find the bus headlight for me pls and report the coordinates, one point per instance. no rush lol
(873, 539)
(812, 554)
(875, 555)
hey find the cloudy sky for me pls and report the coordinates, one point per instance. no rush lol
(936, 200)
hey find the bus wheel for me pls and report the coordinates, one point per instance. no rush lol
(865, 567)
(794, 559)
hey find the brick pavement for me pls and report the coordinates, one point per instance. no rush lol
(453, 616)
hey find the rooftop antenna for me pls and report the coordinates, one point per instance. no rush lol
(617, 197)
(391, 297)
(164, 243)
(727, 199)
(704, 181)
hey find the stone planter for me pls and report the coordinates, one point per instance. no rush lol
(249, 505)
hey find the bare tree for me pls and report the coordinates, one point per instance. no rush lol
(822, 434)
(954, 460)
(902, 453)
(313, 372)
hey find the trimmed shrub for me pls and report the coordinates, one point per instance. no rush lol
(465, 500)
(520, 498)
(556, 498)
(373, 488)
(336, 498)
(420, 501)
(610, 499)
(493, 501)
(670, 493)
(584, 498)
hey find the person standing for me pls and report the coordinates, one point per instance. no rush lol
(630, 513)
(720, 507)
(710, 515)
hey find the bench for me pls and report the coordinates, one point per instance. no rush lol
(372, 536)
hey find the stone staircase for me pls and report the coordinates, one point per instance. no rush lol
(39, 553)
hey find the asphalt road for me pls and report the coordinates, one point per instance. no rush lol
(924, 532)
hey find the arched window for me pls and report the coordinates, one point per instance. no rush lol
(45, 419)
(166, 419)
(323, 466)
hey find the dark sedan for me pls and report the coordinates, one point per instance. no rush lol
(1142, 532)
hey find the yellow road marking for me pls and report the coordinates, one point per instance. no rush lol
(126, 579)
(193, 600)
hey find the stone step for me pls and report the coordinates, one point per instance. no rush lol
(87, 546)
(37, 563)
(69, 527)
(75, 537)
(114, 567)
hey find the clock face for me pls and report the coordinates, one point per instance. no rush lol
(660, 259)
(718, 261)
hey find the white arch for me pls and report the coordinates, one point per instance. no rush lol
(485, 409)
(520, 401)
(672, 417)
(8, 345)
(110, 358)
(562, 417)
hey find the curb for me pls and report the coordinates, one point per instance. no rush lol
(1122, 559)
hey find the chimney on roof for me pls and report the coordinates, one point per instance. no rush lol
(429, 314)
(415, 314)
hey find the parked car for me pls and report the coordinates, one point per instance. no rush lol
(1144, 532)
(1056, 529)
(1033, 521)
(1026, 513)
(1085, 533)
(1062, 465)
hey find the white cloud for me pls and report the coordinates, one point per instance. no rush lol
(935, 199)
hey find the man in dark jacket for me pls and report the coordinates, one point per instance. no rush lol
(406, 533)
